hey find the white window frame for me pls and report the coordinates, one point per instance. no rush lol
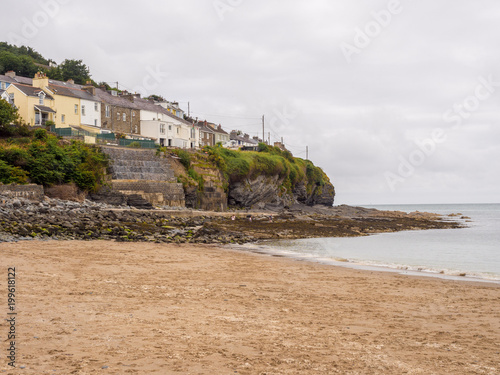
(96, 107)
(108, 112)
(83, 110)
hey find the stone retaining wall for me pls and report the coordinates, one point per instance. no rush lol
(158, 193)
(31, 191)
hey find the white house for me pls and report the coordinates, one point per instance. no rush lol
(169, 130)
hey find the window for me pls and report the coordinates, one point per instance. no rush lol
(124, 116)
(95, 122)
(63, 118)
(108, 111)
(117, 116)
(11, 98)
(162, 128)
(41, 98)
(133, 113)
(96, 107)
(3, 86)
(83, 110)
(170, 127)
(76, 109)
(177, 130)
(136, 130)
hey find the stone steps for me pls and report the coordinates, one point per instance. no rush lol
(132, 164)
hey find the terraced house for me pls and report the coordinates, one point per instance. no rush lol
(76, 106)
(35, 106)
(118, 114)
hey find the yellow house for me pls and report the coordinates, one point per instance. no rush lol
(67, 107)
(35, 106)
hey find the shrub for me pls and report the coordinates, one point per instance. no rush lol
(135, 145)
(10, 174)
(184, 156)
(40, 134)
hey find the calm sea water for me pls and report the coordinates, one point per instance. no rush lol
(473, 251)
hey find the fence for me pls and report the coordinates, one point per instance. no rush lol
(143, 143)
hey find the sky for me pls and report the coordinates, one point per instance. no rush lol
(397, 101)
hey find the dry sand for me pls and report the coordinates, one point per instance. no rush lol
(140, 308)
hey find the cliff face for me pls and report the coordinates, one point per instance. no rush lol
(263, 191)
(217, 177)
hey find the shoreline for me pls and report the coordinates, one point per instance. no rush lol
(205, 309)
(256, 248)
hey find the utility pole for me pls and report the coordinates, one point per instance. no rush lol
(269, 135)
(307, 152)
(263, 131)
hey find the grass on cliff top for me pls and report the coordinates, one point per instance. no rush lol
(42, 158)
(268, 161)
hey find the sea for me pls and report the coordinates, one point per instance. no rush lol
(469, 254)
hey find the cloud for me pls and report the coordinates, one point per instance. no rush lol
(357, 118)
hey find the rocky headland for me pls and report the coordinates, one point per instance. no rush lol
(56, 219)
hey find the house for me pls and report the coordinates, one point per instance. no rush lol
(207, 134)
(6, 80)
(157, 122)
(76, 106)
(237, 141)
(35, 106)
(118, 114)
(173, 108)
(219, 133)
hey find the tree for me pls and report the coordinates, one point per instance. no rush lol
(8, 114)
(75, 70)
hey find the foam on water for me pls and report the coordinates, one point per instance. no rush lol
(471, 253)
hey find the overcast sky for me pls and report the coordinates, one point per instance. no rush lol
(398, 101)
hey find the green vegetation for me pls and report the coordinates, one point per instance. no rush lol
(25, 61)
(44, 159)
(268, 161)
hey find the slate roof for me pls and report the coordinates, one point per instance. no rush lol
(4, 78)
(30, 90)
(72, 92)
(45, 109)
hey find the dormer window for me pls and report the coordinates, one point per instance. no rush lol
(41, 98)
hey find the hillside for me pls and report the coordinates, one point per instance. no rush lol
(270, 177)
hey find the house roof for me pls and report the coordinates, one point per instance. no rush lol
(116, 101)
(72, 92)
(8, 79)
(31, 91)
(147, 105)
(24, 80)
(205, 128)
(235, 137)
(45, 109)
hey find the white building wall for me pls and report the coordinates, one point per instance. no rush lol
(92, 116)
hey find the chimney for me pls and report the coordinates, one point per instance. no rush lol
(246, 136)
(129, 97)
(40, 80)
(219, 127)
(89, 89)
(11, 74)
(70, 81)
(88, 83)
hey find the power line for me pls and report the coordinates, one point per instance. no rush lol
(230, 116)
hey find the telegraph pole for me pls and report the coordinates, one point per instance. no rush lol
(189, 110)
(307, 152)
(263, 131)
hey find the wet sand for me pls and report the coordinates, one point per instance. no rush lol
(103, 307)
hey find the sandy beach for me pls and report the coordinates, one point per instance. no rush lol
(103, 307)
